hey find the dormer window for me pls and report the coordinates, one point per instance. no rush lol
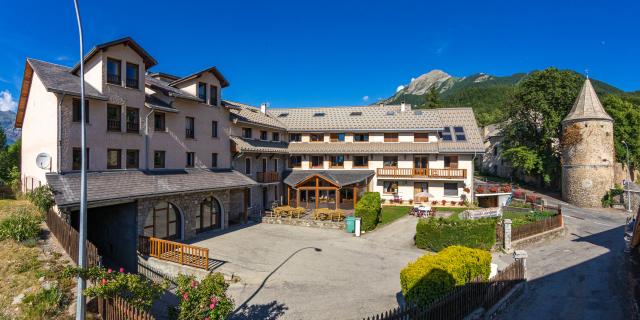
(361, 137)
(202, 91)
(316, 137)
(459, 131)
(246, 133)
(213, 95)
(275, 136)
(295, 137)
(113, 72)
(264, 135)
(133, 78)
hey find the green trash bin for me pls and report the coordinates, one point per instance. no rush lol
(350, 224)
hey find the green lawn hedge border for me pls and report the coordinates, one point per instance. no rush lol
(368, 208)
(435, 234)
(432, 276)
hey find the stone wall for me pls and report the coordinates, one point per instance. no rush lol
(587, 168)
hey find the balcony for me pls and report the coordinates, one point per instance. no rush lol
(421, 173)
(113, 125)
(132, 83)
(114, 79)
(133, 127)
(267, 177)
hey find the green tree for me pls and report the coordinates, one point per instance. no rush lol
(9, 158)
(626, 117)
(432, 98)
(534, 112)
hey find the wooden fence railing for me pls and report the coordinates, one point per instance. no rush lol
(174, 251)
(463, 300)
(118, 309)
(422, 172)
(67, 236)
(533, 228)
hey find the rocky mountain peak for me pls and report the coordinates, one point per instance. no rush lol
(423, 83)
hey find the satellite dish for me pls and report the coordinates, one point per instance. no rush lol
(43, 161)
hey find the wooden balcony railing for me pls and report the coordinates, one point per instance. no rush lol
(268, 176)
(174, 251)
(422, 173)
(113, 125)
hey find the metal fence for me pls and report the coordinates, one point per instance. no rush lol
(463, 300)
(67, 236)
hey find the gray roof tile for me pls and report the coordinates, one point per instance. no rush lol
(361, 147)
(339, 177)
(58, 78)
(250, 114)
(587, 106)
(253, 145)
(166, 89)
(124, 185)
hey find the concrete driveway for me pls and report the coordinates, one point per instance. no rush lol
(581, 276)
(290, 272)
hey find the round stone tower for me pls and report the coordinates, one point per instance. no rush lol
(587, 151)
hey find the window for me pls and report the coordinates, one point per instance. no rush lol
(336, 161)
(295, 161)
(317, 161)
(76, 159)
(283, 115)
(133, 120)
(76, 110)
(295, 137)
(113, 117)
(113, 72)
(391, 137)
(360, 137)
(190, 128)
(390, 161)
(445, 134)
(159, 123)
(337, 137)
(316, 137)
(113, 159)
(202, 91)
(421, 137)
(451, 162)
(214, 160)
(191, 159)
(275, 136)
(163, 222)
(355, 113)
(361, 161)
(209, 216)
(158, 159)
(246, 133)
(319, 114)
(247, 165)
(213, 95)
(276, 164)
(214, 129)
(451, 189)
(264, 135)
(390, 186)
(133, 78)
(133, 158)
(459, 131)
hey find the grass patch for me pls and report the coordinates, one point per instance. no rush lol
(521, 218)
(392, 213)
(9, 207)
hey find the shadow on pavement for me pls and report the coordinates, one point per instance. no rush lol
(268, 311)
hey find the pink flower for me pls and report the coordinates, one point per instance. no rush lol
(211, 306)
(185, 296)
(214, 300)
(206, 318)
(109, 270)
(193, 283)
(104, 281)
(121, 270)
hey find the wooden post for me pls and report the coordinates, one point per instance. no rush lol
(317, 192)
(288, 196)
(355, 196)
(337, 199)
(297, 197)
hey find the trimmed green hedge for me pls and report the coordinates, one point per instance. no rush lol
(368, 208)
(435, 234)
(432, 276)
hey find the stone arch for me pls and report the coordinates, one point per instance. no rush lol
(210, 215)
(165, 220)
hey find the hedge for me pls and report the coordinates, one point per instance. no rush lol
(435, 234)
(432, 276)
(368, 208)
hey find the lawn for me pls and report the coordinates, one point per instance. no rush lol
(392, 213)
(520, 218)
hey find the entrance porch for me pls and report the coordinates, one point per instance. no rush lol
(332, 189)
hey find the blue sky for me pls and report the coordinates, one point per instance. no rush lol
(312, 53)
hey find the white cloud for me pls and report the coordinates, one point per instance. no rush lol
(6, 101)
(62, 58)
(365, 98)
(400, 87)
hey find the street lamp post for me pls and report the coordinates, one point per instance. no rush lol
(628, 178)
(82, 259)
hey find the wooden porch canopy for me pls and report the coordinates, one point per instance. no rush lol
(326, 184)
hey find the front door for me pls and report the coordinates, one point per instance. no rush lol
(421, 164)
(420, 187)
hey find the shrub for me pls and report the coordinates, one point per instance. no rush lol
(45, 303)
(435, 234)
(432, 276)
(203, 300)
(20, 226)
(41, 197)
(133, 288)
(368, 209)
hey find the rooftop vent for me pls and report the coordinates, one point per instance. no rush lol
(318, 114)
(283, 115)
(356, 113)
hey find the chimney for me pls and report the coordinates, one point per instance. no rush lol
(404, 107)
(263, 107)
(381, 104)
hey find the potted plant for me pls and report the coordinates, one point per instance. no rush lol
(434, 202)
(444, 202)
(466, 190)
(493, 189)
(506, 188)
(480, 189)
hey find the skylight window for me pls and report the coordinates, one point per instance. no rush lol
(459, 131)
(417, 112)
(390, 113)
(356, 113)
(283, 115)
(318, 114)
(445, 134)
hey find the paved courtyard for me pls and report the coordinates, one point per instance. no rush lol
(290, 272)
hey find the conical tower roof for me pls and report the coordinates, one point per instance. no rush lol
(587, 106)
